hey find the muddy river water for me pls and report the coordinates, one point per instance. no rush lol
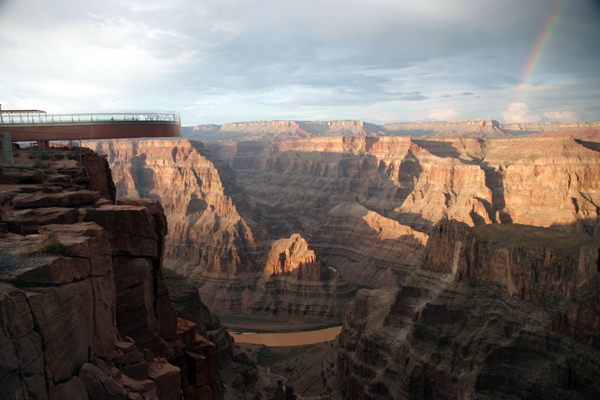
(288, 339)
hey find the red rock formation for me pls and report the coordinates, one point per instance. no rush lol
(415, 183)
(484, 317)
(84, 309)
(365, 204)
(214, 238)
(292, 270)
(474, 128)
(293, 257)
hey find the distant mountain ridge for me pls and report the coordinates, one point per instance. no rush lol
(269, 130)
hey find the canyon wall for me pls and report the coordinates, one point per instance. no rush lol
(525, 128)
(216, 238)
(84, 309)
(474, 128)
(494, 311)
(269, 130)
(367, 205)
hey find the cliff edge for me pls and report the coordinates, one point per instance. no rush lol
(84, 309)
(494, 311)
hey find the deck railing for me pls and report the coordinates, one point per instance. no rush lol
(29, 118)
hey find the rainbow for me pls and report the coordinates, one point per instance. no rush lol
(538, 48)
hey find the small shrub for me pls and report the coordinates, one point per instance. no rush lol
(51, 245)
(16, 154)
(46, 156)
(39, 176)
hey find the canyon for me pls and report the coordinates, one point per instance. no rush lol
(370, 208)
(364, 206)
(84, 307)
(87, 310)
(460, 267)
(495, 311)
(260, 131)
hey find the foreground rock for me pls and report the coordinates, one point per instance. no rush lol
(495, 311)
(84, 308)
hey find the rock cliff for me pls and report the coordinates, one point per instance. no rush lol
(84, 309)
(216, 237)
(366, 204)
(269, 130)
(525, 128)
(292, 270)
(474, 128)
(494, 311)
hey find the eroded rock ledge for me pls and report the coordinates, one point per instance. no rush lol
(216, 237)
(494, 311)
(84, 309)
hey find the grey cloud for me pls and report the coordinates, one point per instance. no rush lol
(345, 53)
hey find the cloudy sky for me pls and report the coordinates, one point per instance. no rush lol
(237, 60)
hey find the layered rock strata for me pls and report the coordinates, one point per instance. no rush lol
(494, 311)
(413, 183)
(84, 308)
(293, 270)
(524, 128)
(216, 237)
(364, 204)
(270, 130)
(208, 241)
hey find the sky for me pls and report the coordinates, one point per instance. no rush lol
(377, 61)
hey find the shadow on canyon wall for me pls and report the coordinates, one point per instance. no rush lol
(589, 144)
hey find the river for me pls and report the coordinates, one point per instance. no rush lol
(287, 339)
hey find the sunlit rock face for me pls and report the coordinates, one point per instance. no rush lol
(215, 238)
(206, 229)
(293, 270)
(292, 256)
(333, 189)
(365, 205)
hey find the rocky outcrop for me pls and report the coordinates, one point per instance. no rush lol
(413, 183)
(292, 270)
(490, 313)
(84, 309)
(528, 128)
(473, 128)
(216, 238)
(269, 130)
